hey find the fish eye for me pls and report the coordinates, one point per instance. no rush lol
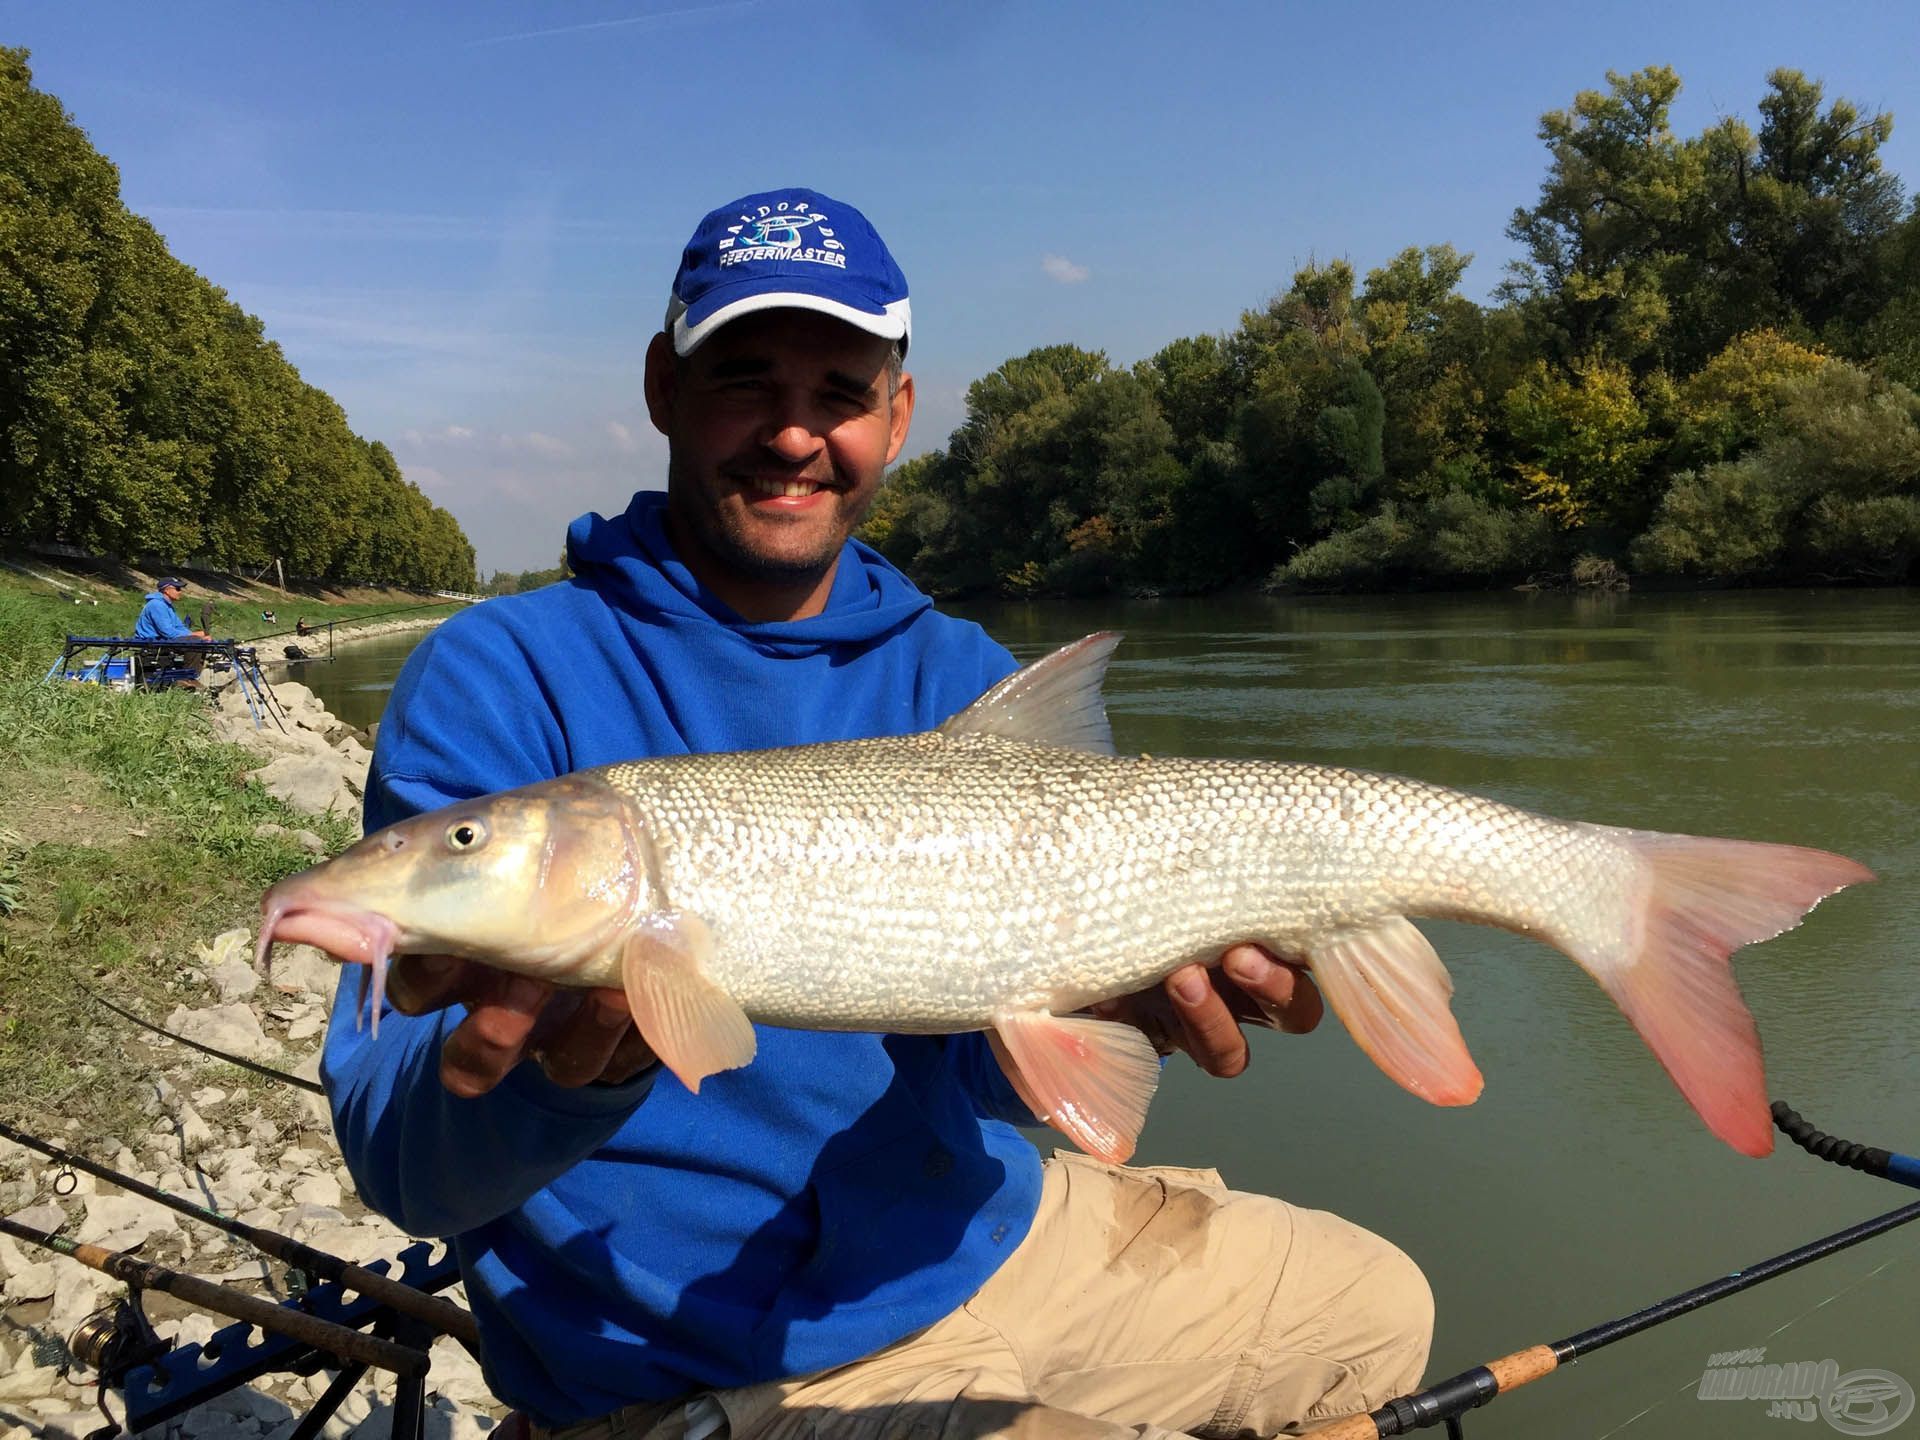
(466, 835)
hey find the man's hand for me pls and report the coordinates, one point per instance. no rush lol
(576, 1036)
(1200, 1010)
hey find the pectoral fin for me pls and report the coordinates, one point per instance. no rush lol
(1089, 1079)
(1391, 991)
(694, 1026)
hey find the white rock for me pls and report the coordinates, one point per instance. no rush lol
(307, 1026)
(457, 1374)
(234, 1028)
(12, 1258)
(302, 1221)
(124, 1222)
(314, 783)
(29, 1382)
(194, 1329)
(233, 979)
(315, 1190)
(248, 1403)
(377, 1426)
(47, 1216)
(33, 1281)
(353, 1412)
(195, 1133)
(77, 1294)
(303, 969)
(208, 1096)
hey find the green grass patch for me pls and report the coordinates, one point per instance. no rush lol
(127, 836)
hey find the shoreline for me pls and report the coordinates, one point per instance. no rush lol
(243, 1146)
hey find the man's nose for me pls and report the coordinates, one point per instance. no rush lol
(791, 432)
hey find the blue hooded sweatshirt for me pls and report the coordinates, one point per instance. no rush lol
(159, 620)
(635, 1242)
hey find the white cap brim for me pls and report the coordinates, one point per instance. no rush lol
(895, 323)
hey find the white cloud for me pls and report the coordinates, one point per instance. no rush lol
(539, 443)
(622, 437)
(1059, 268)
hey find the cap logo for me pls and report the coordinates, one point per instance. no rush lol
(775, 232)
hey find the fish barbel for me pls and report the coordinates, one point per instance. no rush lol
(1007, 870)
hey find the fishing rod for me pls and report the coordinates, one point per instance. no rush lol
(1447, 1400)
(308, 1329)
(358, 619)
(443, 1315)
(312, 1087)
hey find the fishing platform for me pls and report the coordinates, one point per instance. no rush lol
(121, 662)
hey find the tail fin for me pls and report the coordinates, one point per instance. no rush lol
(1703, 899)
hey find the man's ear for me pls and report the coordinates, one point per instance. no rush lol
(662, 380)
(901, 418)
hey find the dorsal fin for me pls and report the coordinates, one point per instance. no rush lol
(1054, 701)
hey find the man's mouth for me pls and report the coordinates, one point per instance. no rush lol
(778, 489)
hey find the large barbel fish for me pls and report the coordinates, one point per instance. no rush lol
(1007, 870)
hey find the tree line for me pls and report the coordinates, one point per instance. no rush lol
(144, 414)
(1704, 365)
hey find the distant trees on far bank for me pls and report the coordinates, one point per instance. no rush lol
(1704, 366)
(142, 413)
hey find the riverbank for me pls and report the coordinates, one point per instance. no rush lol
(139, 831)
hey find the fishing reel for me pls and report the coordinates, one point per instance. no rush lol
(111, 1342)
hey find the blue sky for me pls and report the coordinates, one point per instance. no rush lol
(461, 220)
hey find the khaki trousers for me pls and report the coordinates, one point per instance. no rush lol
(1145, 1302)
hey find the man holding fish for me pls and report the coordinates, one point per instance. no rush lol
(845, 1236)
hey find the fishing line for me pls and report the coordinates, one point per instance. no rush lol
(311, 1086)
(312, 630)
(1817, 1305)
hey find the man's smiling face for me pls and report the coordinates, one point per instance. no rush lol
(780, 427)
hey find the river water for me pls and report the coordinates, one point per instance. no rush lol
(1580, 1187)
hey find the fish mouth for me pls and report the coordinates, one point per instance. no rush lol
(350, 935)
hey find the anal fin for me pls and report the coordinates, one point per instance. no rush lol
(1392, 993)
(694, 1026)
(1090, 1079)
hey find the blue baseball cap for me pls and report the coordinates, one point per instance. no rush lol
(787, 249)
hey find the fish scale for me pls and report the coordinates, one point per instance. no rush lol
(1008, 870)
(1042, 876)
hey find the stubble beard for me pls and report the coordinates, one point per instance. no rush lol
(731, 545)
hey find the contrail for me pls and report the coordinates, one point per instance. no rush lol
(610, 24)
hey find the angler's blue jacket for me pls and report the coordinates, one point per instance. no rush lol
(635, 1242)
(159, 620)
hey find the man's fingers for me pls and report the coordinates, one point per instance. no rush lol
(417, 984)
(584, 1042)
(491, 1040)
(1212, 1033)
(1283, 994)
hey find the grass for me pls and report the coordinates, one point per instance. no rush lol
(127, 835)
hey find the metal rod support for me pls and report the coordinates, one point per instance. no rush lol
(296, 1324)
(443, 1316)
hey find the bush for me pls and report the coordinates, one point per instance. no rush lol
(1456, 538)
